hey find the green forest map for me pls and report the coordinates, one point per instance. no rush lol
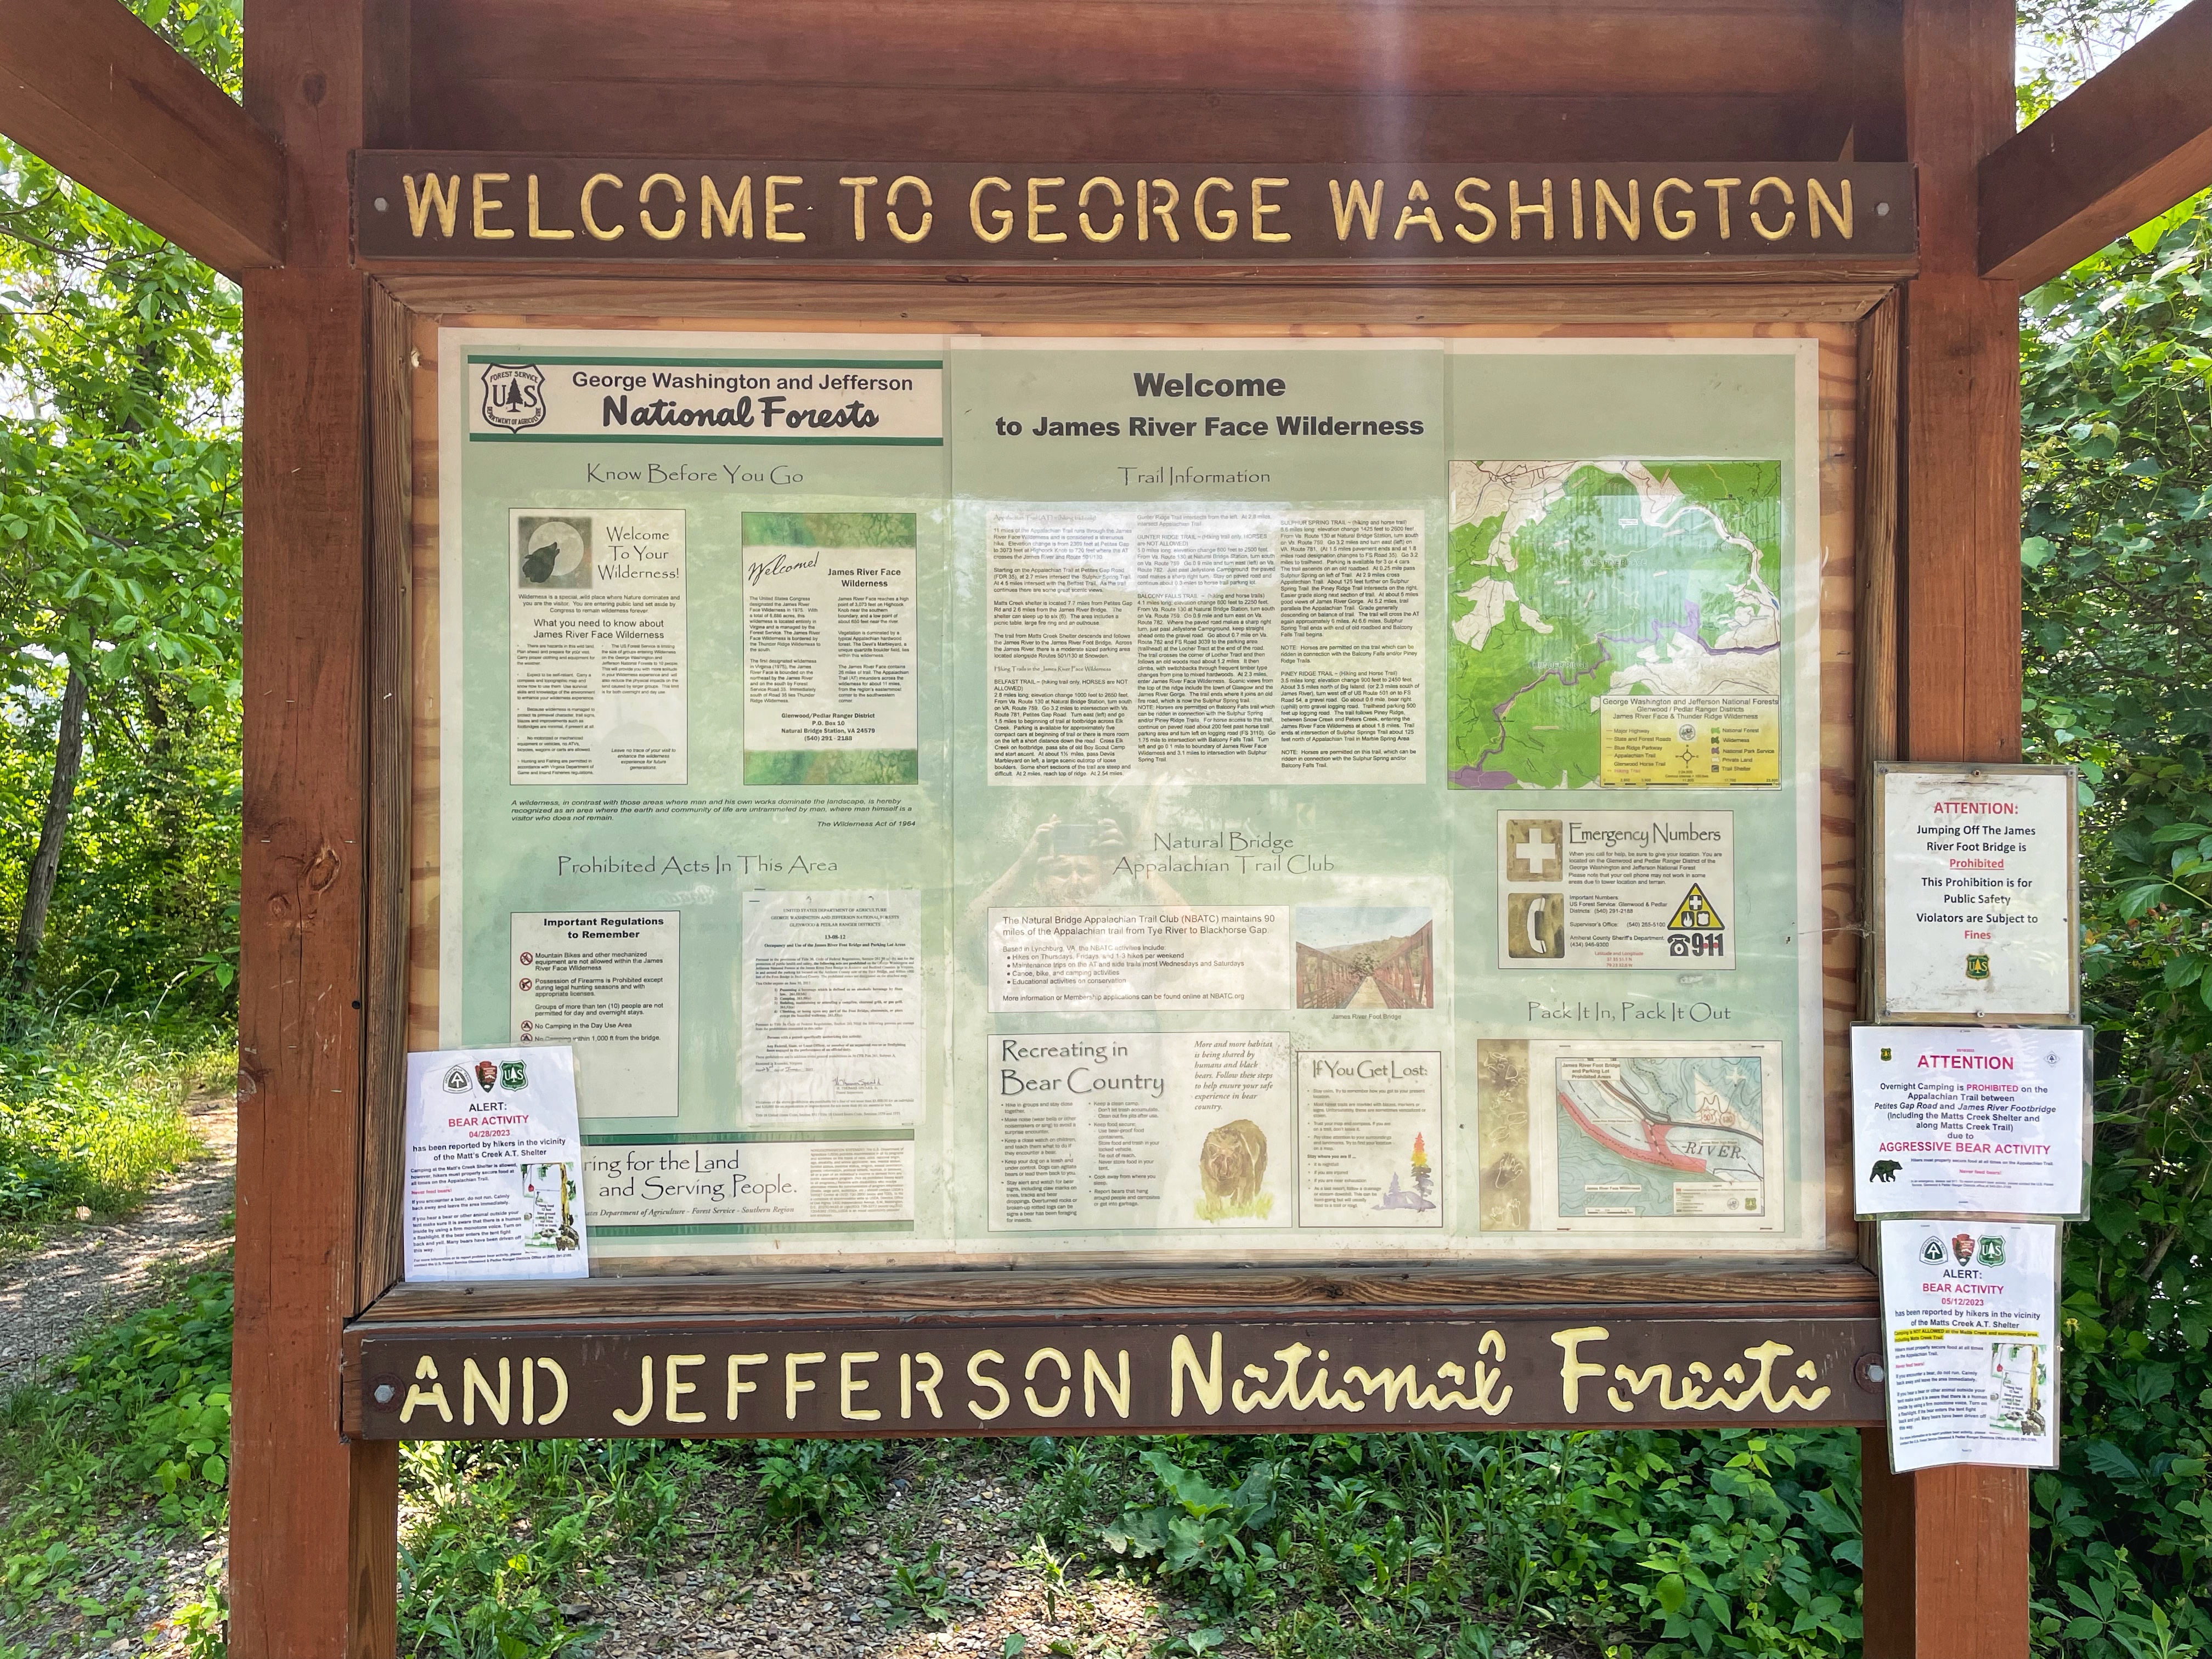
(1574, 579)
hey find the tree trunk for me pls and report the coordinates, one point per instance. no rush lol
(47, 862)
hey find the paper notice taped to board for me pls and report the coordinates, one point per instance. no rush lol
(493, 1165)
(1970, 1342)
(1978, 893)
(1987, 1118)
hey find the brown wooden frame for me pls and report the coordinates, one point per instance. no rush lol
(1919, 80)
(629, 1309)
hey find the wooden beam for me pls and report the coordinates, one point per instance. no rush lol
(1947, 1549)
(2129, 142)
(91, 90)
(314, 1518)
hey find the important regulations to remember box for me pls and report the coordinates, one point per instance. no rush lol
(1977, 893)
(995, 799)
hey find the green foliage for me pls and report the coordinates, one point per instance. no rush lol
(823, 1482)
(501, 1532)
(136, 1419)
(1722, 1542)
(120, 559)
(145, 911)
(91, 1112)
(922, 1588)
(2117, 396)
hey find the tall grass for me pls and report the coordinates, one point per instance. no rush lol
(92, 1111)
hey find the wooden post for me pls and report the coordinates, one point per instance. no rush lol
(313, 1518)
(1947, 1549)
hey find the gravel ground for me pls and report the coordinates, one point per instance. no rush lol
(842, 1601)
(105, 1270)
(102, 1271)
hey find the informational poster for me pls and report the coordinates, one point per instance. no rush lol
(597, 635)
(494, 1166)
(604, 985)
(831, 671)
(1370, 1138)
(1979, 1118)
(831, 1015)
(1011, 798)
(1099, 1132)
(1978, 899)
(1970, 1342)
(1639, 1136)
(1621, 623)
(1222, 645)
(1651, 890)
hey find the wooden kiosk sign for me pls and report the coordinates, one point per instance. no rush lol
(1177, 793)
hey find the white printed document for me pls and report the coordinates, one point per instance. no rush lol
(493, 1165)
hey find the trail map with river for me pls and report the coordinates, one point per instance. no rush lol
(1572, 581)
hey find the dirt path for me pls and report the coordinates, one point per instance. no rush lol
(104, 1270)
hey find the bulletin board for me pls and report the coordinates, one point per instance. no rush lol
(1002, 797)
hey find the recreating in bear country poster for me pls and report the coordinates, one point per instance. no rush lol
(1007, 797)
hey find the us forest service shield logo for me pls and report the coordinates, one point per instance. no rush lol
(1977, 964)
(487, 1075)
(1991, 1253)
(515, 396)
(513, 1074)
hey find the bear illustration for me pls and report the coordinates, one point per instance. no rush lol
(1232, 1162)
(1886, 1169)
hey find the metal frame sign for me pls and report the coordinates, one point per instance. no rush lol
(1976, 903)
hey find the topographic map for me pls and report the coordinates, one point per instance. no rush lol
(1635, 602)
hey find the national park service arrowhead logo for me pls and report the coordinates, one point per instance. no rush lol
(513, 1074)
(457, 1080)
(1977, 964)
(487, 1075)
(513, 396)
(1962, 1246)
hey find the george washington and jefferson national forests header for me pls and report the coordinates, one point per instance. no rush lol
(517, 209)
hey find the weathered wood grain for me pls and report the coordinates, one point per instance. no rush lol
(390, 691)
(2127, 144)
(88, 88)
(313, 1520)
(1129, 1289)
(1045, 303)
(1597, 48)
(1947, 1563)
